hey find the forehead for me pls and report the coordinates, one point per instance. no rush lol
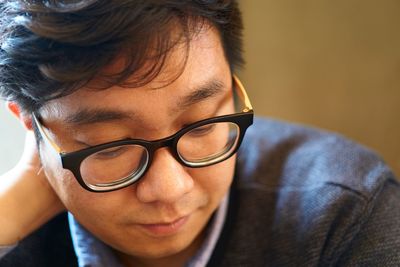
(188, 67)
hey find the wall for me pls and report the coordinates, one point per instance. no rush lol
(11, 139)
(331, 64)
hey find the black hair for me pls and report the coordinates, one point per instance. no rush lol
(50, 48)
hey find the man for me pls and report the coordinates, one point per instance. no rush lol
(137, 117)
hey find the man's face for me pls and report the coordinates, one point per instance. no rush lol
(165, 212)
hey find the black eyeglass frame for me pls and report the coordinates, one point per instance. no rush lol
(72, 160)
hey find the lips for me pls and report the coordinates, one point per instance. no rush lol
(165, 229)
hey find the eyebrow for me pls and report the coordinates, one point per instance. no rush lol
(91, 116)
(205, 91)
(98, 115)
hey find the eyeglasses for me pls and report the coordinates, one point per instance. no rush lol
(114, 165)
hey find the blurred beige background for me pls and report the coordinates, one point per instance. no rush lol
(331, 64)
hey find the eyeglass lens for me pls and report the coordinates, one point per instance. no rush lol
(200, 146)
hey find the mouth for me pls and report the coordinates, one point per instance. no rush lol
(165, 229)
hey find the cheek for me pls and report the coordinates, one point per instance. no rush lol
(215, 180)
(88, 208)
(59, 178)
(72, 195)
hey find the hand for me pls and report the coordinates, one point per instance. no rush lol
(30, 156)
(27, 200)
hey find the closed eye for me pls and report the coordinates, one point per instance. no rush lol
(202, 130)
(111, 152)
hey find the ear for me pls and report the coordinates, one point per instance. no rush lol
(15, 109)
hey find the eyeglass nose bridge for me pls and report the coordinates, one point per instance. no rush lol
(168, 142)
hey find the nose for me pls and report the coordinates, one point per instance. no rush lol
(165, 181)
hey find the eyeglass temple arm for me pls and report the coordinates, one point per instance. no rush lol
(243, 94)
(45, 136)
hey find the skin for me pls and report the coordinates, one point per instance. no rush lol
(20, 213)
(169, 191)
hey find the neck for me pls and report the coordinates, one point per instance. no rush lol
(176, 260)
